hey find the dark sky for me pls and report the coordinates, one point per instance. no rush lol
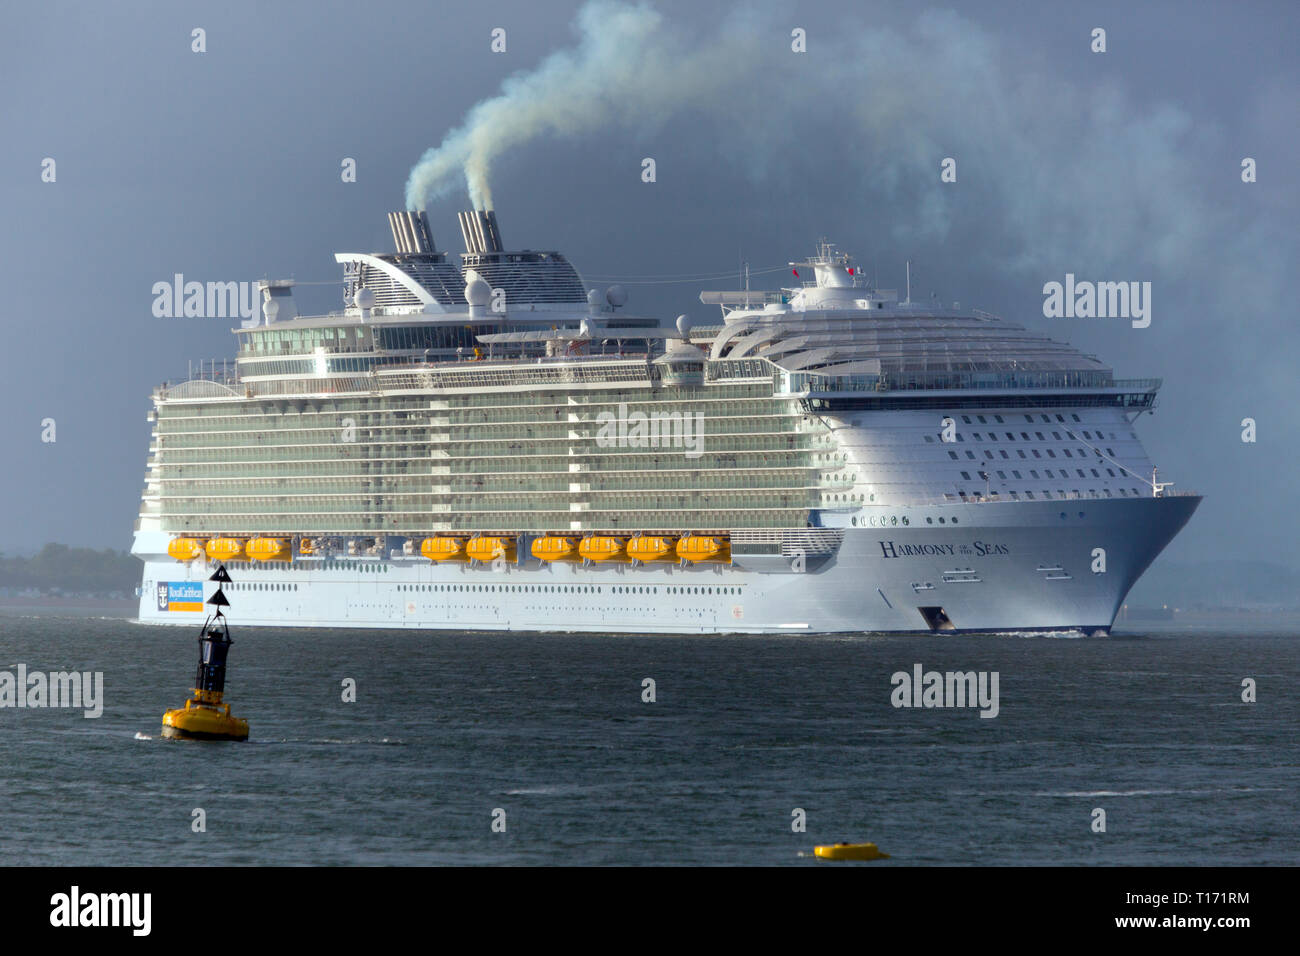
(1123, 165)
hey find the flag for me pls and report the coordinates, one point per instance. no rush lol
(796, 273)
(850, 270)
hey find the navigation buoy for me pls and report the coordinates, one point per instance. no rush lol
(205, 716)
(850, 851)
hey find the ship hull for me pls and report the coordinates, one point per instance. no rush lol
(1061, 565)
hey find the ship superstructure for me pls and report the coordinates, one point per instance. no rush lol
(490, 445)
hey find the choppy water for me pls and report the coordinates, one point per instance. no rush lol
(552, 729)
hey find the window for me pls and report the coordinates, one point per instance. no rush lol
(952, 455)
(983, 420)
(1021, 453)
(998, 419)
(1111, 472)
(1080, 473)
(1111, 452)
(966, 475)
(1067, 453)
(977, 436)
(1095, 473)
(1036, 453)
(1060, 419)
(1003, 453)
(1002, 475)
(1076, 418)
(1016, 473)
(988, 454)
(1045, 418)
(1040, 436)
(966, 419)
(1050, 453)
(929, 438)
(1033, 474)
(1010, 437)
(970, 454)
(1029, 495)
(1056, 435)
(1024, 436)
(1029, 418)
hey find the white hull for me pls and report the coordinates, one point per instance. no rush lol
(878, 581)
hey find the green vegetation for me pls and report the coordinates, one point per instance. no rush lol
(72, 570)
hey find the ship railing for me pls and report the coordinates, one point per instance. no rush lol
(813, 383)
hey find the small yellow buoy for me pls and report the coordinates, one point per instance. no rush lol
(850, 851)
(205, 716)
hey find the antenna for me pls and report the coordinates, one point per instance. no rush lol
(909, 281)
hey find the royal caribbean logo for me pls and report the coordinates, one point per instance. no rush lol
(180, 595)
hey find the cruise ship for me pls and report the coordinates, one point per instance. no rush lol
(483, 443)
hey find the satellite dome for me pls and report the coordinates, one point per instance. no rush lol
(270, 309)
(593, 298)
(364, 298)
(684, 325)
(477, 292)
(616, 296)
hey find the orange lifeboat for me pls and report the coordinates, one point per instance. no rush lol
(225, 549)
(270, 549)
(704, 547)
(603, 548)
(647, 547)
(555, 548)
(443, 549)
(491, 547)
(185, 549)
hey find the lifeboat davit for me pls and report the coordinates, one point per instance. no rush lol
(270, 549)
(443, 549)
(185, 549)
(555, 548)
(225, 549)
(603, 548)
(491, 547)
(704, 547)
(647, 547)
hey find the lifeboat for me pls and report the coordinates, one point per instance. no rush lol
(602, 548)
(555, 548)
(704, 547)
(225, 549)
(491, 547)
(850, 851)
(443, 549)
(646, 547)
(270, 549)
(185, 549)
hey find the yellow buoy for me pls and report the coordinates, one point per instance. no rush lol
(491, 547)
(225, 549)
(198, 720)
(270, 549)
(185, 549)
(646, 547)
(443, 549)
(850, 851)
(555, 548)
(603, 548)
(704, 547)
